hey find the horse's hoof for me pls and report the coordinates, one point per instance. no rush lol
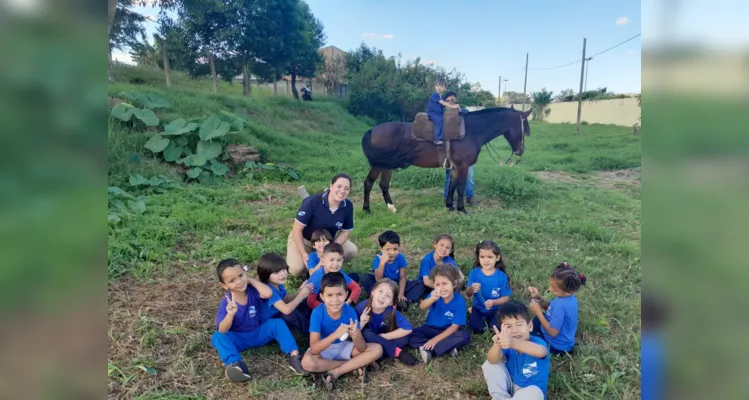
(463, 210)
(392, 208)
(501, 163)
(366, 210)
(450, 208)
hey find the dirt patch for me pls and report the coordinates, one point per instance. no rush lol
(555, 176)
(618, 178)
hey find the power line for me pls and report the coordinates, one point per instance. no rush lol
(575, 62)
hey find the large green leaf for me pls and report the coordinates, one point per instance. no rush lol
(179, 127)
(123, 111)
(213, 127)
(209, 150)
(194, 160)
(113, 218)
(173, 152)
(117, 192)
(147, 116)
(137, 206)
(157, 143)
(194, 172)
(218, 168)
(137, 180)
(182, 141)
(154, 101)
(235, 121)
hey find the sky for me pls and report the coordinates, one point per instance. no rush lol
(488, 39)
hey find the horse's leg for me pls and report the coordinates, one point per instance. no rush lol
(385, 187)
(462, 176)
(451, 188)
(368, 183)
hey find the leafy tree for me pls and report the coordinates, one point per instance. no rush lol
(511, 97)
(565, 95)
(333, 72)
(540, 101)
(208, 26)
(304, 36)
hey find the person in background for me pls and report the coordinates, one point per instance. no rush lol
(452, 98)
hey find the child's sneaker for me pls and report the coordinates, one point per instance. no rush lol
(426, 355)
(454, 353)
(237, 372)
(407, 358)
(296, 365)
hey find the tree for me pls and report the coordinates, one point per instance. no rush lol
(207, 25)
(333, 72)
(127, 29)
(516, 98)
(305, 35)
(540, 101)
(565, 95)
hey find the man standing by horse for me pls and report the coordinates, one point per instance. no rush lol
(452, 98)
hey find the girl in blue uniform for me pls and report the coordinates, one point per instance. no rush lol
(292, 308)
(489, 285)
(382, 323)
(559, 323)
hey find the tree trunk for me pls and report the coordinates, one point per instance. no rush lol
(293, 85)
(212, 61)
(245, 78)
(112, 10)
(275, 83)
(166, 64)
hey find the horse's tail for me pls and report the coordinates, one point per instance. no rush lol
(382, 158)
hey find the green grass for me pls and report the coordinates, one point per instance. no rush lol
(163, 292)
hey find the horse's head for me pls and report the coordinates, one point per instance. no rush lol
(518, 131)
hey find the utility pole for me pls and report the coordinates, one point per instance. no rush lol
(587, 66)
(525, 83)
(499, 89)
(580, 99)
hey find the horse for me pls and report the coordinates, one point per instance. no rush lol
(389, 146)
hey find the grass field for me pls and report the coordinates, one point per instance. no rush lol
(574, 198)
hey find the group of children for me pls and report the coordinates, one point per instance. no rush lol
(347, 337)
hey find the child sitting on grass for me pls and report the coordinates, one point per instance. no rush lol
(273, 271)
(332, 261)
(489, 285)
(238, 323)
(442, 333)
(390, 263)
(382, 323)
(558, 325)
(517, 364)
(336, 342)
(320, 238)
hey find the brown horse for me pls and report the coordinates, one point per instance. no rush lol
(389, 146)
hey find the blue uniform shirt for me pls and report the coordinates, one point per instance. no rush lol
(324, 324)
(427, 263)
(268, 311)
(247, 318)
(434, 108)
(526, 370)
(492, 287)
(392, 269)
(562, 316)
(378, 323)
(443, 315)
(314, 214)
(313, 260)
(316, 279)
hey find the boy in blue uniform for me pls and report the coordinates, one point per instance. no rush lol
(332, 261)
(238, 322)
(436, 108)
(390, 263)
(331, 327)
(517, 364)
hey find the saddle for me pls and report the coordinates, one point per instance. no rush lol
(422, 129)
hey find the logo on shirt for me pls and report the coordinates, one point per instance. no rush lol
(495, 292)
(252, 311)
(548, 312)
(449, 315)
(301, 213)
(338, 225)
(530, 369)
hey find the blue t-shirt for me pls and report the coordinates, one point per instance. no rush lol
(562, 316)
(313, 260)
(442, 315)
(314, 214)
(392, 269)
(247, 318)
(434, 108)
(268, 311)
(316, 279)
(492, 287)
(323, 324)
(526, 370)
(378, 322)
(427, 263)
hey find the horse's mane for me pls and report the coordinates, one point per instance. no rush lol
(491, 110)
